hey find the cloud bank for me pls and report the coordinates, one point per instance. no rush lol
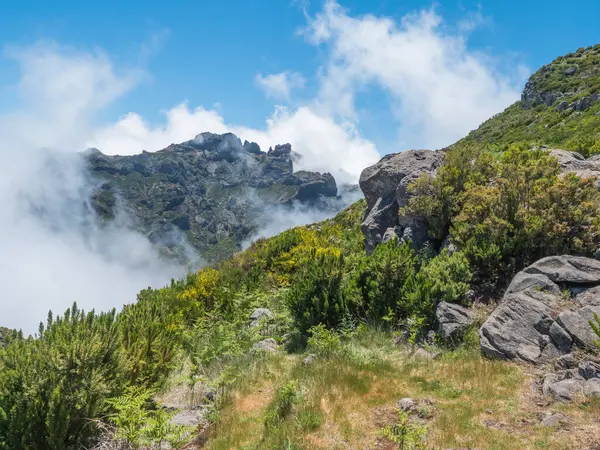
(54, 251)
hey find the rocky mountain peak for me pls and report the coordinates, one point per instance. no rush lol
(570, 81)
(212, 191)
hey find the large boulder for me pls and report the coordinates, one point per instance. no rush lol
(385, 187)
(535, 322)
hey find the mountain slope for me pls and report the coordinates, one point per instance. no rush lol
(560, 107)
(212, 192)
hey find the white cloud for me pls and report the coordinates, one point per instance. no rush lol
(438, 88)
(53, 252)
(279, 86)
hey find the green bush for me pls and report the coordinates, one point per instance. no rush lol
(379, 281)
(324, 343)
(317, 295)
(50, 387)
(506, 212)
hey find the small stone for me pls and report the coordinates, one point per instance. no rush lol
(406, 404)
(267, 345)
(258, 315)
(309, 360)
(425, 354)
(589, 369)
(551, 419)
(489, 411)
(592, 387)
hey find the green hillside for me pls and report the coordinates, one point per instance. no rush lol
(560, 107)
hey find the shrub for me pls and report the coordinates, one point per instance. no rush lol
(50, 387)
(317, 295)
(281, 406)
(324, 342)
(505, 213)
(444, 278)
(379, 281)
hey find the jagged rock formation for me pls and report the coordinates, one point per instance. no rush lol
(545, 311)
(385, 188)
(212, 191)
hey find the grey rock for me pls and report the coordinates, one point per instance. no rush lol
(532, 322)
(560, 338)
(562, 106)
(523, 281)
(385, 187)
(390, 233)
(572, 162)
(514, 328)
(570, 71)
(552, 419)
(382, 216)
(588, 297)
(189, 417)
(589, 369)
(567, 269)
(406, 404)
(577, 324)
(448, 246)
(563, 390)
(258, 315)
(309, 360)
(267, 345)
(592, 387)
(452, 320)
(566, 362)
(422, 353)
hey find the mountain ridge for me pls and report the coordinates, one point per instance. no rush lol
(212, 191)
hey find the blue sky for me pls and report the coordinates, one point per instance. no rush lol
(213, 55)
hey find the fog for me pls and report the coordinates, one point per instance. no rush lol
(53, 250)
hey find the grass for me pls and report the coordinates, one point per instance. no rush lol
(348, 401)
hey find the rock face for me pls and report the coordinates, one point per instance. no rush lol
(452, 320)
(213, 191)
(535, 322)
(385, 186)
(572, 162)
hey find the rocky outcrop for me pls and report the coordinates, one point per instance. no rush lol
(572, 162)
(385, 187)
(452, 320)
(212, 192)
(545, 311)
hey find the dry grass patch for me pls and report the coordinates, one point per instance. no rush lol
(344, 401)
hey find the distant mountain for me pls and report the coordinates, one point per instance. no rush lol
(559, 107)
(213, 192)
